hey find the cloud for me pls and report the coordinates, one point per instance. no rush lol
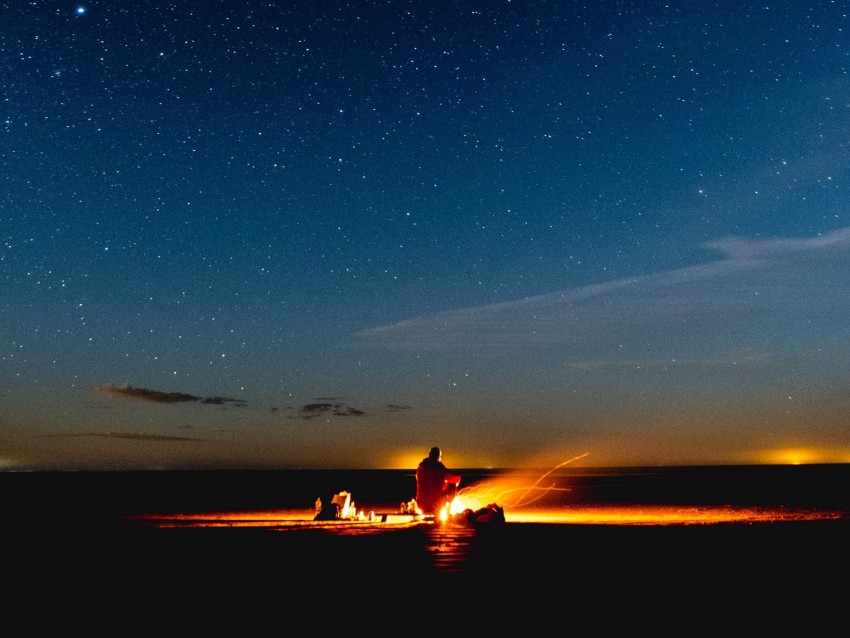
(751, 299)
(395, 407)
(146, 395)
(238, 403)
(737, 248)
(316, 410)
(129, 435)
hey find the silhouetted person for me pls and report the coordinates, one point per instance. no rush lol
(436, 485)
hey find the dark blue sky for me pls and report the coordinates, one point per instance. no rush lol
(334, 234)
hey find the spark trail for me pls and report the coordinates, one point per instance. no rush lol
(501, 492)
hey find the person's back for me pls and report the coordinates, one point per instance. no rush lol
(435, 484)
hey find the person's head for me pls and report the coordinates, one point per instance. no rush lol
(434, 454)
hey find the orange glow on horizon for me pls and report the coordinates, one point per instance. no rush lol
(802, 456)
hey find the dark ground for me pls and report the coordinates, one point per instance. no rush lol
(73, 562)
(772, 570)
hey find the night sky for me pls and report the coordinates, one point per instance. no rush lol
(297, 234)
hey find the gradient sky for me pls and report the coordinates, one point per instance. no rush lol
(328, 234)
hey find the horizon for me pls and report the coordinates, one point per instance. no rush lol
(411, 470)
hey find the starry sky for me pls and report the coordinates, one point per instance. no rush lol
(326, 234)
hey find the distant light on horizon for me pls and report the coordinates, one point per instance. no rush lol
(803, 456)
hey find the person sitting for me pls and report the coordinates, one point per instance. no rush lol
(436, 485)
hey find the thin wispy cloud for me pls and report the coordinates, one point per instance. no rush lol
(324, 408)
(146, 395)
(331, 407)
(758, 291)
(134, 436)
(395, 407)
